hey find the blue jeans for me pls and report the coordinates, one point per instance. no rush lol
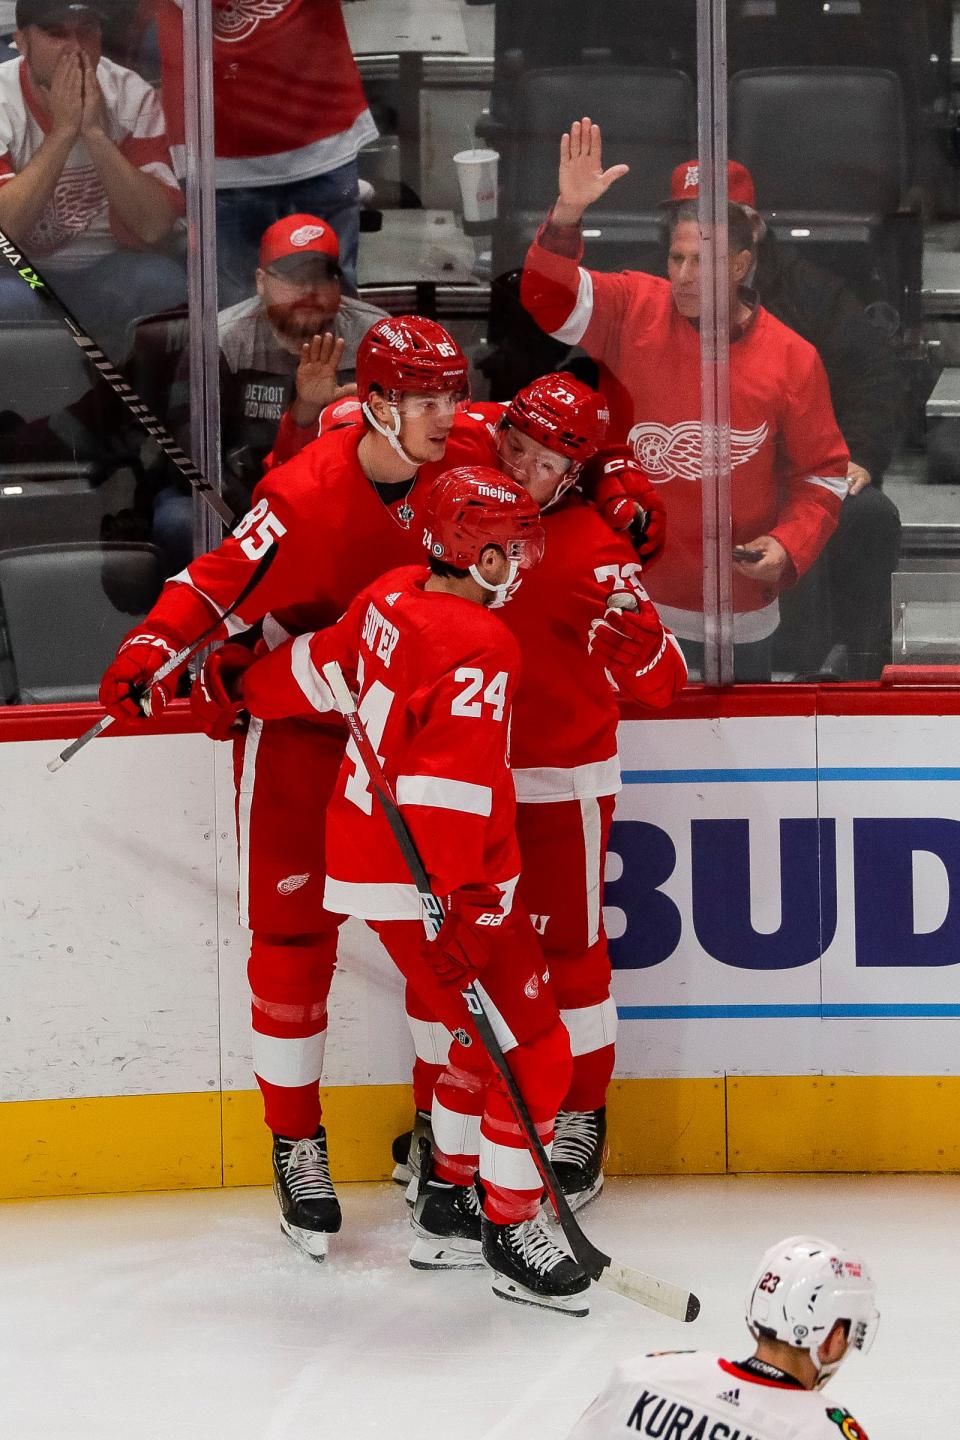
(107, 297)
(244, 214)
(172, 528)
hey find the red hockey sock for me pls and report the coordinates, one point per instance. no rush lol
(511, 1180)
(456, 1110)
(290, 980)
(591, 1079)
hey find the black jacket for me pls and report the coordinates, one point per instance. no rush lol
(860, 361)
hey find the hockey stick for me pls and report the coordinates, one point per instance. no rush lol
(140, 693)
(142, 413)
(636, 1285)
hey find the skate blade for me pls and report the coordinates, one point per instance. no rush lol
(312, 1243)
(402, 1175)
(577, 1199)
(574, 1305)
(433, 1253)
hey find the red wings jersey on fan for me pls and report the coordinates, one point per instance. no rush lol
(78, 219)
(287, 93)
(789, 460)
(435, 676)
(565, 717)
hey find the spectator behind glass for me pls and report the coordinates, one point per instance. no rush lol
(297, 337)
(290, 115)
(788, 456)
(867, 396)
(86, 184)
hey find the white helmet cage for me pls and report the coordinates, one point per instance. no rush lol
(802, 1287)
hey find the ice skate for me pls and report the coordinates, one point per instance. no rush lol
(400, 1150)
(446, 1219)
(406, 1151)
(579, 1150)
(309, 1208)
(530, 1268)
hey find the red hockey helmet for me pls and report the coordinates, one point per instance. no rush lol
(561, 413)
(474, 506)
(409, 352)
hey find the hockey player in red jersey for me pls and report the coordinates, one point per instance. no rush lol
(789, 459)
(343, 511)
(809, 1304)
(435, 673)
(581, 655)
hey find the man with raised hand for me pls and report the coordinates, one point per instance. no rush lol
(295, 340)
(789, 460)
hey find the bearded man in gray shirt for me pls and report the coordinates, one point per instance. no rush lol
(274, 347)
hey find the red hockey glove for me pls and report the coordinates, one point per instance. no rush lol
(628, 641)
(214, 698)
(125, 679)
(627, 500)
(472, 917)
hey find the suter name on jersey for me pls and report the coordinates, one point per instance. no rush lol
(379, 636)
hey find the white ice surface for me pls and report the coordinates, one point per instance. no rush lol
(187, 1316)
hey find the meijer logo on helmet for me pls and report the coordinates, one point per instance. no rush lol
(497, 492)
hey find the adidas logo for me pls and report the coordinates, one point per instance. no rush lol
(732, 1397)
(394, 597)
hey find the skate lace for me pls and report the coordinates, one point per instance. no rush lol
(472, 1200)
(308, 1171)
(535, 1247)
(575, 1137)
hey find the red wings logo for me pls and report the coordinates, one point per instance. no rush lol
(240, 18)
(675, 452)
(79, 197)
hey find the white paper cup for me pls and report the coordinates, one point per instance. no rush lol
(477, 174)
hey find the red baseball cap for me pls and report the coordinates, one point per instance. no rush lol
(297, 235)
(685, 183)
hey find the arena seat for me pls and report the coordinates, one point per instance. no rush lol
(66, 608)
(54, 409)
(649, 122)
(841, 193)
(48, 510)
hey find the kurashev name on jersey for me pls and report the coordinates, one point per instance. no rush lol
(664, 1419)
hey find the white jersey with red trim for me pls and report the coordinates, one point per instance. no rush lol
(693, 1395)
(77, 226)
(435, 676)
(287, 95)
(789, 459)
